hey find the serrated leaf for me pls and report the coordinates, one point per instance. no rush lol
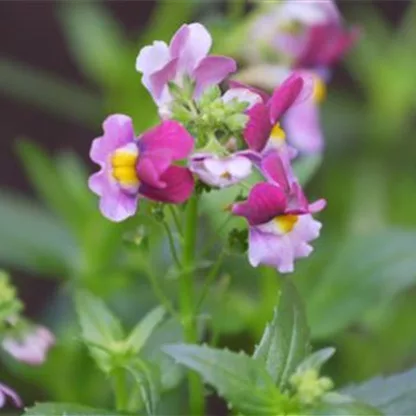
(33, 239)
(393, 395)
(145, 328)
(365, 271)
(168, 332)
(146, 378)
(338, 405)
(99, 326)
(66, 409)
(285, 341)
(238, 378)
(316, 360)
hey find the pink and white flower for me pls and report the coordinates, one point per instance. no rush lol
(307, 34)
(221, 172)
(280, 222)
(134, 167)
(6, 392)
(186, 55)
(31, 348)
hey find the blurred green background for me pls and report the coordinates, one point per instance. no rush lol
(65, 65)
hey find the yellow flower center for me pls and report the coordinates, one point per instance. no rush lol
(277, 134)
(291, 27)
(286, 222)
(123, 163)
(319, 90)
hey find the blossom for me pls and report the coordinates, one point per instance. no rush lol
(32, 348)
(8, 392)
(185, 56)
(300, 124)
(221, 171)
(306, 34)
(264, 112)
(280, 222)
(139, 167)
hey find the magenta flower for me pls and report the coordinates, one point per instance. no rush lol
(32, 348)
(221, 172)
(265, 112)
(279, 217)
(134, 167)
(8, 392)
(186, 55)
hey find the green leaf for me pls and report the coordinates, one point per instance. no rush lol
(66, 409)
(168, 332)
(316, 360)
(364, 272)
(96, 41)
(33, 239)
(59, 97)
(338, 405)
(393, 395)
(145, 328)
(45, 178)
(99, 327)
(238, 378)
(146, 378)
(285, 341)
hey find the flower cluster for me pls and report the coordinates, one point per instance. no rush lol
(297, 35)
(217, 137)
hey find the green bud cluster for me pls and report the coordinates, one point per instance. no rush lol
(309, 386)
(238, 240)
(210, 118)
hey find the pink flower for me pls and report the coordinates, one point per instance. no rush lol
(133, 167)
(264, 112)
(221, 171)
(32, 348)
(186, 55)
(279, 217)
(8, 392)
(311, 33)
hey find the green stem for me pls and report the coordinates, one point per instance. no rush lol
(120, 389)
(210, 279)
(176, 219)
(196, 398)
(172, 244)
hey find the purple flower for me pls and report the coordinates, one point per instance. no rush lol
(8, 392)
(279, 216)
(32, 348)
(186, 55)
(133, 167)
(221, 171)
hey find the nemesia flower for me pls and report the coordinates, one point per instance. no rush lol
(139, 167)
(221, 172)
(307, 34)
(33, 346)
(185, 56)
(279, 217)
(8, 392)
(265, 112)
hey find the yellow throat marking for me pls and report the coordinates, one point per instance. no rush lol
(123, 163)
(278, 134)
(286, 222)
(319, 90)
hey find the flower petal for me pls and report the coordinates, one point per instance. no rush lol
(152, 58)
(237, 85)
(7, 391)
(264, 202)
(212, 70)
(169, 136)
(179, 184)
(258, 127)
(159, 79)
